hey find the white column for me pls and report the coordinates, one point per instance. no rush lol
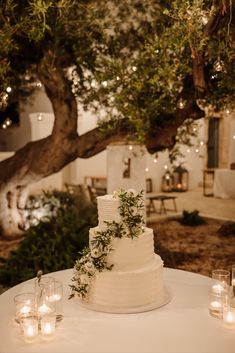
(126, 167)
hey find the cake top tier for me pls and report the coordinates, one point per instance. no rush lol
(123, 206)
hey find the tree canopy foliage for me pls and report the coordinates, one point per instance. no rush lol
(141, 60)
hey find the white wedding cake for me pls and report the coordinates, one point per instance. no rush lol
(119, 271)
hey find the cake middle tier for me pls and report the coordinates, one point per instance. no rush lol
(129, 253)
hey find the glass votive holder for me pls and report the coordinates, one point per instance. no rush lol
(56, 297)
(42, 286)
(25, 306)
(221, 281)
(47, 325)
(29, 327)
(42, 291)
(229, 316)
(216, 303)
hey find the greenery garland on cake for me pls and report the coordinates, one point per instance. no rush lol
(94, 258)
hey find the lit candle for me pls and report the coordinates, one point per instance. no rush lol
(24, 309)
(218, 288)
(48, 325)
(30, 328)
(54, 297)
(215, 305)
(44, 309)
(229, 316)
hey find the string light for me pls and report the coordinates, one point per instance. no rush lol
(196, 150)
(146, 169)
(8, 121)
(130, 147)
(155, 160)
(104, 83)
(38, 84)
(188, 150)
(118, 78)
(134, 68)
(8, 89)
(201, 143)
(40, 117)
(4, 126)
(165, 167)
(227, 111)
(234, 137)
(181, 103)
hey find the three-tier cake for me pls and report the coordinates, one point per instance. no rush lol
(119, 271)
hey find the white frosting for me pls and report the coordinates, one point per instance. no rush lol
(129, 254)
(108, 210)
(136, 279)
(117, 289)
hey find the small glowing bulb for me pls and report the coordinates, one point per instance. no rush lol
(5, 96)
(8, 89)
(4, 126)
(8, 121)
(156, 51)
(165, 167)
(39, 84)
(93, 84)
(196, 150)
(188, 150)
(201, 143)
(117, 78)
(146, 169)
(234, 137)
(134, 68)
(155, 160)
(227, 111)
(104, 83)
(181, 103)
(130, 147)
(39, 117)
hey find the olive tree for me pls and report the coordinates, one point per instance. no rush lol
(152, 65)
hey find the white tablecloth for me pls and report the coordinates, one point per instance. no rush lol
(224, 183)
(183, 325)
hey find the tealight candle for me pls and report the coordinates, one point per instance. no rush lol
(44, 309)
(55, 297)
(30, 328)
(48, 325)
(25, 309)
(229, 316)
(24, 304)
(216, 303)
(218, 288)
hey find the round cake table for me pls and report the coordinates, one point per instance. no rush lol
(182, 325)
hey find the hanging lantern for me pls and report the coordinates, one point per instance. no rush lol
(181, 177)
(167, 182)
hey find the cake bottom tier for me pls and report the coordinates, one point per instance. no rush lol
(113, 291)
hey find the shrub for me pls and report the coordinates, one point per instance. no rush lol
(54, 242)
(191, 218)
(227, 229)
